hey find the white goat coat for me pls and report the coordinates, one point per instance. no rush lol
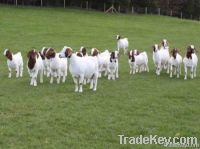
(46, 64)
(175, 63)
(37, 69)
(103, 61)
(16, 62)
(192, 64)
(39, 66)
(122, 44)
(141, 60)
(83, 66)
(58, 64)
(161, 59)
(58, 68)
(113, 67)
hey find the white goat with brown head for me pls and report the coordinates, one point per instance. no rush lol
(14, 61)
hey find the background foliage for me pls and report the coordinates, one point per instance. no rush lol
(191, 8)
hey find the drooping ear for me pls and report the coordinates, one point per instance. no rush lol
(162, 42)
(133, 58)
(70, 51)
(79, 54)
(52, 52)
(44, 51)
(95, 52)
(41, 55)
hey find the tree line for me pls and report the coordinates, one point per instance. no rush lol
(188, 7)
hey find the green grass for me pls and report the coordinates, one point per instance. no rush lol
(53, 116)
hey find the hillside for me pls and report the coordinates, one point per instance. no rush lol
(53, 116)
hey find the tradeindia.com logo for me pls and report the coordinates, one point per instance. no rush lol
(165, 141)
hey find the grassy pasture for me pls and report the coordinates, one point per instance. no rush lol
(53, 116)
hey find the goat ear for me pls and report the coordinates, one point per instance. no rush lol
(69, 51)
(51, 51)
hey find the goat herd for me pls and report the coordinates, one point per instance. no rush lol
(87, 69)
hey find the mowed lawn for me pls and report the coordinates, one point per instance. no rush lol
(52, 116)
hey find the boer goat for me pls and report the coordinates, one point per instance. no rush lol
(164, 44)
(83, 51)
(14, 61)
(58, 66)
(113, 66)
(190, 61)
(122, 43)
(103, 60)
(81, 68)
(138, 62)
(35, 66)
(175, 62)
(160, 59)
(135, 52)
(45, 61)
(165, 49)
